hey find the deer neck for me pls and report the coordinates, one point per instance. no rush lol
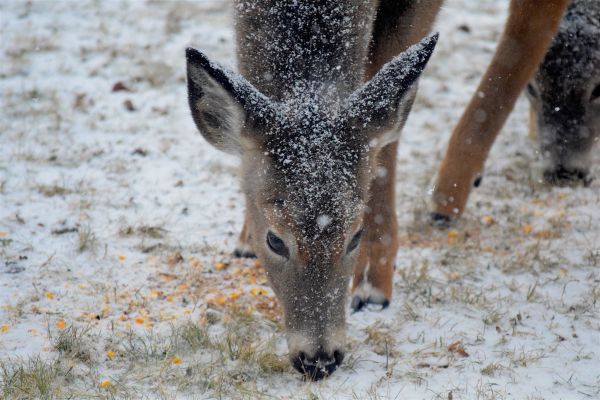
(301, 49)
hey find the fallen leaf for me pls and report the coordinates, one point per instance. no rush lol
(458, 348)
(119, 87)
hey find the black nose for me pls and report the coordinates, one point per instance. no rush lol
(561, 175)
(319, 366)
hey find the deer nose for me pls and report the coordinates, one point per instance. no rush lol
(319, 366)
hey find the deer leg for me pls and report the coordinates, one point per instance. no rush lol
(244, 249)
(398, 25)
(372, 279)
(527, 35)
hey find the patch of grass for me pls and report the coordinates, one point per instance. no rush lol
(53, 190)
(154, 232)
(271, 363)
(491, 369)
(146, 347)
(74, 343)
(380, 339)
(593, 257)
(195, 336)
(86, 240)
(34, 378)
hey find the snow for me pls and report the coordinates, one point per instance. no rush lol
(519, 292)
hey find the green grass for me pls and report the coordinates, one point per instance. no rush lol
(73, 342)
(34, 378)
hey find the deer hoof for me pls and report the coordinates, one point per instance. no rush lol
(441, 220)
(359, 303)
(366, 294)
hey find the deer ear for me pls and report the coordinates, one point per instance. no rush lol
(381, 106)
(222, 102)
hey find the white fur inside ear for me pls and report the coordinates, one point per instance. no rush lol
(218, 115)
(404, 108)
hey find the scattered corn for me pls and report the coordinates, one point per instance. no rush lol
(452, 236)
(49, 295)
(220, 266)
(255, 291)
(220, 300)
(488, 220)
(562, 272)
(176, 360)
(121, 257)
(110, 354)
(4, 328)
(105, 384)
(527, 229)
(60, 324)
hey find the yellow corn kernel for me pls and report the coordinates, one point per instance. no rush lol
(220, 266)
(487, 220)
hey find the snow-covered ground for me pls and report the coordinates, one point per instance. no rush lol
(117, 220)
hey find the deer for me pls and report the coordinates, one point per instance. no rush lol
(308, 115)
(528, 32)
(564, 97)
(315, 113)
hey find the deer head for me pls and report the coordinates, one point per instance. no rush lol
(306, 166)
(564, 96)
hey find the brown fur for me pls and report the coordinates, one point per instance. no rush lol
(395, 29)
(528, 33)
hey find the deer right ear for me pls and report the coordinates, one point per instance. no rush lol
(222, 102)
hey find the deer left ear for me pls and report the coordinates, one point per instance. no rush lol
(382, 105)
(222, 102)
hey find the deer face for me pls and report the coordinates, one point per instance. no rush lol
(565, 99)
(306, 167)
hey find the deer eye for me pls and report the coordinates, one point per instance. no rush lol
(595, 93)
(276, 245)
(532, 91)
(355, 241)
